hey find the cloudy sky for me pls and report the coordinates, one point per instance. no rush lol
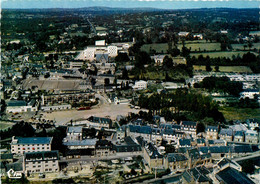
(165, 4)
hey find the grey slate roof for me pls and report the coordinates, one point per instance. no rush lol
(85, 142)
(14, 103)
(176, 157)
(185, 142)
(140, 129)
(43, 155)
(225, 131)
(17, 166)
(34, 140)
(152, 151)
(232, 176)
(77, 129)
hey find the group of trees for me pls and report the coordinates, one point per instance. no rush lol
(181, 104)
(221, 84)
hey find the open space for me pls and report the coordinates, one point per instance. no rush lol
(5, 125)
(232, 113)
(236, 69)
(220, 54)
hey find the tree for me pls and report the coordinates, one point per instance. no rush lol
(167, 62)
(106, 81)
(208, 67)
(200, 127)
(248, 166)
(122, 58)
(125, 74)
(217, 68)
(142, 58)
(185, 52)
(174, 52)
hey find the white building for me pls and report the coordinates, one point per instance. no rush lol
(139, 85)
(40, 162)
(21, 145)
(158, 59)
(74, 133)
(18, 106)
(99, 47)
(250, 93)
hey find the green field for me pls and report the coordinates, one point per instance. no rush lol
(232, 113)
(238, 69)
(220, 54)
(241, 46)
(194, 46)
(5, 125)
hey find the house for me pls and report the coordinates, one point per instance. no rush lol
(158, 59)
(175, 161)
(138, 130)
(217, 142)
(183, 34)
(129, 145)
(40, 162)
(184, 143)
(121, 133)
(239, 136)
(226, 134)
(152, 156)
(200, 142)
(251, 136)
(74, 133)
(139, 85)
(189, 127)
(199, 174)
(212, 132)
(252, 123)
(104, 148)
(21, 145)
(249, 93)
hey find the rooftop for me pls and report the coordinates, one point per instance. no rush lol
(32, 140)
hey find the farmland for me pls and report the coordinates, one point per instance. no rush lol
(5, 125)
(194, 46)
(237, 69)
(220, 54)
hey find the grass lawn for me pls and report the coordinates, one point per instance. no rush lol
(232, 113)
(241, 46)
(239, 69)
(194, 45)
(220, 54)
(4, 125)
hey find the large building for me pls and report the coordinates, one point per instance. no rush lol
(100, 47)
(21, 145)
(40, 162)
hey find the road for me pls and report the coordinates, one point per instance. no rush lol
(91, 158)
(171, 178)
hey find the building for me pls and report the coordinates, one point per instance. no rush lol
(175, 161)
(226, 134)
(229, 171)
(184, 143)
(139, 85)
(152, 156)
(21, 145)
(249, 93)
(189, 127)
(80, 144)
(95, 122)
(158, 59)
(74, 133)
(41, 162)
(212, 132)
(251, 136)
(239, 136)
(100, 47)
(18, 106)
(199, 174)
(104, 148)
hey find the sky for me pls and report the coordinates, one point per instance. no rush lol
(163, 4)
